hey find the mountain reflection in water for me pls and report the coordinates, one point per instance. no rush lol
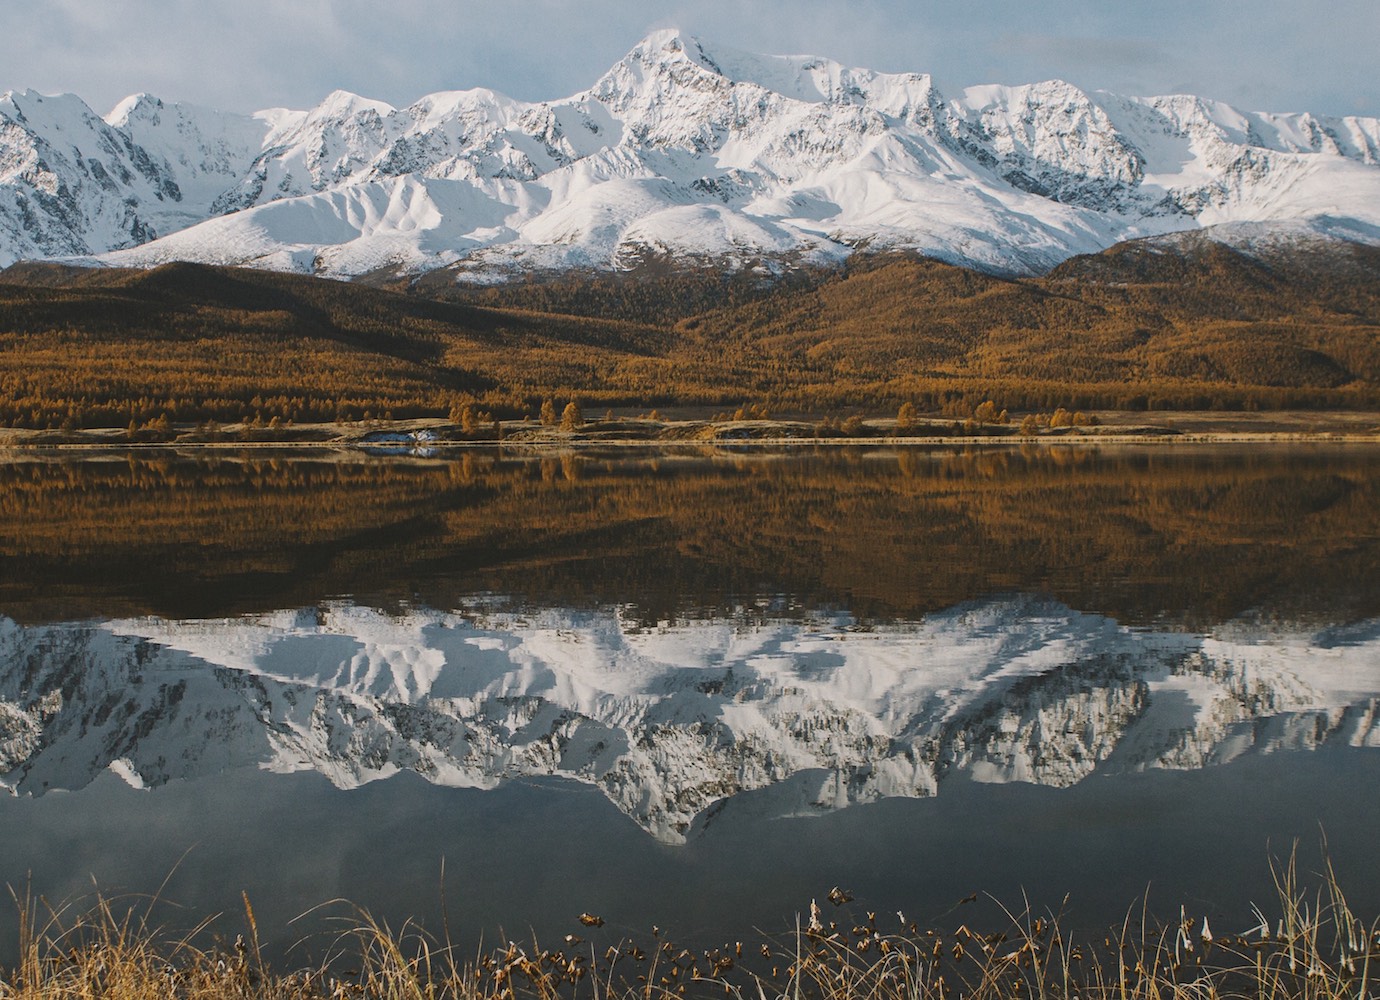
(671, 722)
(1056, 670)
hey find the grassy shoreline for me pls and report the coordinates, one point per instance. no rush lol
(1306, 945)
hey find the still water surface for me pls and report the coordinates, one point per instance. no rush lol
(690, 690)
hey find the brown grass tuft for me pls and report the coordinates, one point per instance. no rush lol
(1310, 946)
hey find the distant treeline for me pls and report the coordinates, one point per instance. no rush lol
(1132, 328)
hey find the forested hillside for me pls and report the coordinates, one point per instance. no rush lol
(1191, 324)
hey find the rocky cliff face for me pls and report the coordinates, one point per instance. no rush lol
(670, 723)
(679, 151)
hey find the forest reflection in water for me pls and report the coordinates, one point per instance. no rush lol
(1163, 535)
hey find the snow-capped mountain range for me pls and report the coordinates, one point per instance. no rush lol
(671, 723)
(681, 151)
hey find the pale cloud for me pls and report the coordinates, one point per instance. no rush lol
(247, 54)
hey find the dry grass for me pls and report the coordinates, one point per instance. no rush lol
(1309, 945)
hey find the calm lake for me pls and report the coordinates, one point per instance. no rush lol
(687, 689)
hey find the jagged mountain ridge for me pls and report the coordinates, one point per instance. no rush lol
(680, 150)
(671, 723)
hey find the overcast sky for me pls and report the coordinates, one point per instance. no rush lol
(1277, 55)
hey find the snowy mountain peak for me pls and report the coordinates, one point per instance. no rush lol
(670, 57)
(658, 66)
(341, 104)
(42, 112)
(668, 46)
(134, 106)
(683, 151)
(799, 77)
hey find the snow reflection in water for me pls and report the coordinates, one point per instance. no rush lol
(815, 713)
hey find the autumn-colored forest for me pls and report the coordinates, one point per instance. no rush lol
(1136, 327)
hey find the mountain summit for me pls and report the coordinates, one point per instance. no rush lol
(680, 151)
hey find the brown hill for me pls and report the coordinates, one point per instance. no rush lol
(1184, 323)
(1129, 328)
(198, 342)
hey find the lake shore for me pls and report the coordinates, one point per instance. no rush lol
(690, 429)
(837, 952)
